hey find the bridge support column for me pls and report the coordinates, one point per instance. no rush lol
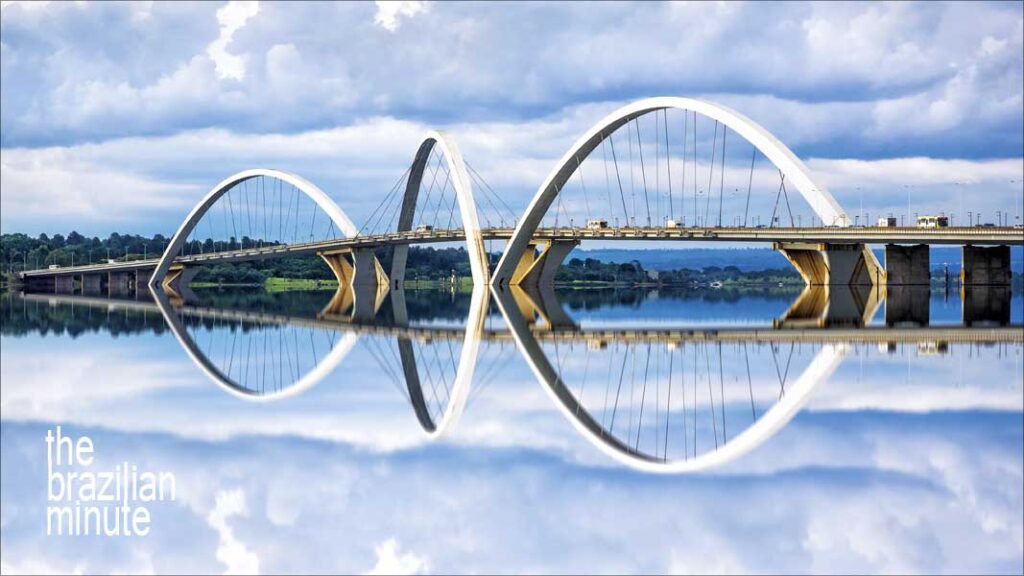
(833, 264)
(363, 276)
(92, 284)
(178, 279)
(985, 266)
(907, 265)
(118, 283)
(64, 284)
(142, 280)
(539, 269)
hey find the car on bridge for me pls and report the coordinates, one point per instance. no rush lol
(424, 228)
(887, 222)
(597, 223)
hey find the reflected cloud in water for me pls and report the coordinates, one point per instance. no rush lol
(652, 396)
(851, 444)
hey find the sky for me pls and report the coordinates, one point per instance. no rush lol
(120, 116)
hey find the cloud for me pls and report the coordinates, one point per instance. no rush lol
(232, 17)
(389, 11)
(391, 561)
(356, 164)
(876, 80)
(857, 492)
(230, 551)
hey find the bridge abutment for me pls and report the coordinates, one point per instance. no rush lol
(907, 265)
(822, 264)
(985, 266)
(38, 284)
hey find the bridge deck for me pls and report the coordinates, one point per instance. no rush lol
(960, 235)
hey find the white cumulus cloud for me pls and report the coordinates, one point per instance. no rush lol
(232, 17)
(389, 12)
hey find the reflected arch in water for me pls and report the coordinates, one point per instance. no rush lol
(771, 421)
(304, 381)
(458, 395)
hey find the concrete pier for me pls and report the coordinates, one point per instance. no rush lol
(534, 270)
(64, 284)
(92, 284)
(119, 283)
(907, 265)
(178, 279)
(142, 280)
(822, 264)
(361, 281)
(985, 266)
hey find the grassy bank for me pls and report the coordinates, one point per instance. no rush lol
(283, 284)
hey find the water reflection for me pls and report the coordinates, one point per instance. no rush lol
(653, 393)
(256, 355)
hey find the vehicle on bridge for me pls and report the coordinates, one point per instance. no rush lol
(671, 224)
(424, 228)
(53, 266)
(932, 221)
(597, 223)
(887, 222)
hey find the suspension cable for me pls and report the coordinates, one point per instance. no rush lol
(750, 184)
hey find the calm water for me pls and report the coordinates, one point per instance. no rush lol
(571, 431)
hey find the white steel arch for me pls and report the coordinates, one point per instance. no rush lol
(816, 194)
(333, 211)
(463, 194)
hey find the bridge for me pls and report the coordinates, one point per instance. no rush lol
(678, 195)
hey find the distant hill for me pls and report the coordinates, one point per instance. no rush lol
(752, 259)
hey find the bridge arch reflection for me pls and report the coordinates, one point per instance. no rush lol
(602, 436)
(297, 381)
(805, 349)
